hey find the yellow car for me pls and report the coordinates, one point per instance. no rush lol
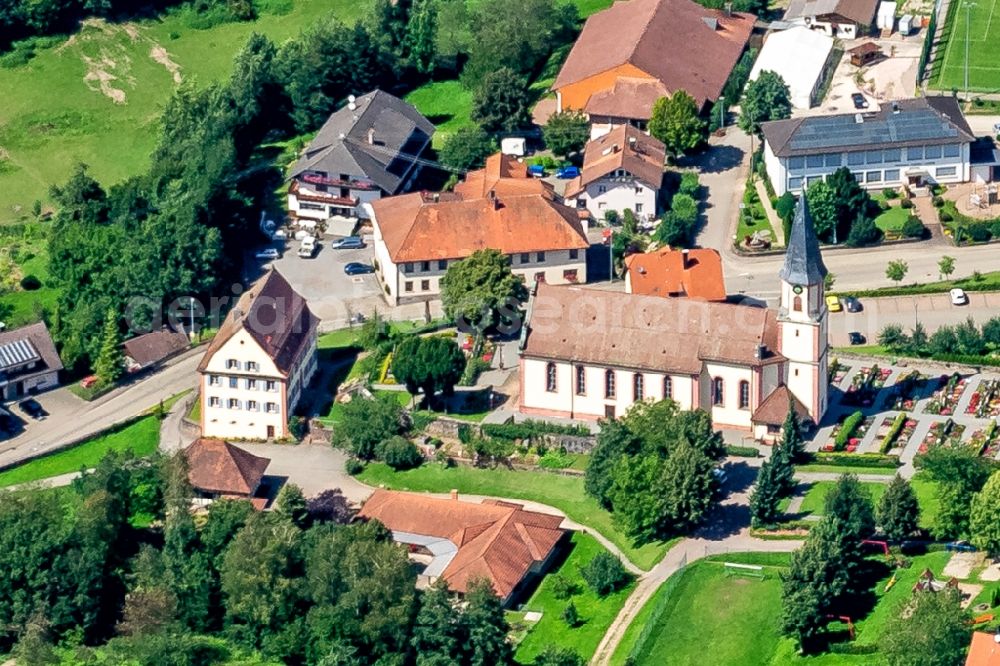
(833, 304)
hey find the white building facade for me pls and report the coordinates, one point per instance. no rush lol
(909, 143)
(588, 354)
(255, 371)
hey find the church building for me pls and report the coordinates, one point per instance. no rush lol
(590, 354)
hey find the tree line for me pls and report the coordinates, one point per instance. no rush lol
(116, 569)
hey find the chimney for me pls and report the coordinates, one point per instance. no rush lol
(895, 108)
(454, 494)
(759, 353)
(684, 259)
(437, 197)
(371, 136)
(492, 196)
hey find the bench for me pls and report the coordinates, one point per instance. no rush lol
(750, 570)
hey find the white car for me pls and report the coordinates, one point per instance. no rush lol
(270, 254)
(958, 296)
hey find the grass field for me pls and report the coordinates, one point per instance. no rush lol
(30, 254)
(984, 35)
(596, 613)
(563, 492)
(815, 498)
(54, 116)
(705, 605)
(447, 104)
(892, 219)
(142, 437)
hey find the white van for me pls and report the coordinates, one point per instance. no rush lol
(307, 250)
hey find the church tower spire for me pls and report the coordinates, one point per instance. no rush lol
(803, 315)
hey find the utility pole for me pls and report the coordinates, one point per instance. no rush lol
(968, 21)
(722, 111)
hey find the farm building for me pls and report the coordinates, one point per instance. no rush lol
(799, 56)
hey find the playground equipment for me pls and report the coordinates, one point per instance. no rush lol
(882, 545)
(889, 583)
(846, 620)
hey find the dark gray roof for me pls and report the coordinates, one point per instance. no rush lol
(906, 122)
(803, 261)
(27, 344)
(342, 145)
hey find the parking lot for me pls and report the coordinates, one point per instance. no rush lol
(333, 296)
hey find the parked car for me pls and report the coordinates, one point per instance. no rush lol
(358, 268)
(720, 475)
(856, 338)
(307, 250)
(567, 172)
(9, 424)
(958, 296)
(536, 171)
(270, 254)
(347, 243)
(31, 407)
(996, 129)
(833, 304)
(859, 101)
(960, 547)
(852, 304)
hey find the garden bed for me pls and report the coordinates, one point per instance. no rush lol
(945, 399)
(985, 401)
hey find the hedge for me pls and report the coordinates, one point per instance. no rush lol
(530, 429)
(890, 437)
(847, 429)
(854, 459)
(742, 451)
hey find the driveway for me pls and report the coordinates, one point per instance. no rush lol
(312, 467)
(722, 170)
(71, 418)
(932, 310)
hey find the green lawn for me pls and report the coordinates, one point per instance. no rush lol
(596, 613)
(30, 254)
(739, 618)
(836, 469)
(563, 492)
(142, 437)
(447, 104)
(815, 497)
(984, 70)
(51, 117)
(892, 219)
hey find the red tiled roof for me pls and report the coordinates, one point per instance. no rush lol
(678, 42)
(628, 98)
(984, 650)
(153, 347)
(675, 335)
(499, 541)
(274, 315)
(215, 466)
(624, 147)
(774, 409)
(665, 272)
(523, 217)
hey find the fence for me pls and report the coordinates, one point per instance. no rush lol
(925, 52)
(666, 595)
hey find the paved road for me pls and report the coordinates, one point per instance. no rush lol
(932, 310)
(71, 418)
(726, 531)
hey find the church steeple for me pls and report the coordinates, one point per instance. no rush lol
(803, 261)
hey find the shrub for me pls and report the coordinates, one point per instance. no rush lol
(605, 574)
(979, 232)
(913, 227)
(562, 587)
(400, 453)
(530, 429)
(995, 228)
(570, 615)
(906, 203)
(354, 466)
(945, 216)
(890, 193)
(894, 430)
(30, 283)
(937, 202)
(855, 460)
(690, 184)
(742, 451)
(847, 429)
(298, 427)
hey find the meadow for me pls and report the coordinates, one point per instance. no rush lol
(97, 96)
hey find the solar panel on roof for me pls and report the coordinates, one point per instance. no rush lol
(843, 131)
(17, 352)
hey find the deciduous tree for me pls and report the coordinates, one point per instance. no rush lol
(566, 132)
(365, 423)
(480, 291)
(676, 123)
(429, 364)
(984, 518)
(501, 102)
(292, 505)
(765, 98)
(946, 266)
(467, 148)
(931, 629)
(896, 270)
(487, 627)
(439, 635)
